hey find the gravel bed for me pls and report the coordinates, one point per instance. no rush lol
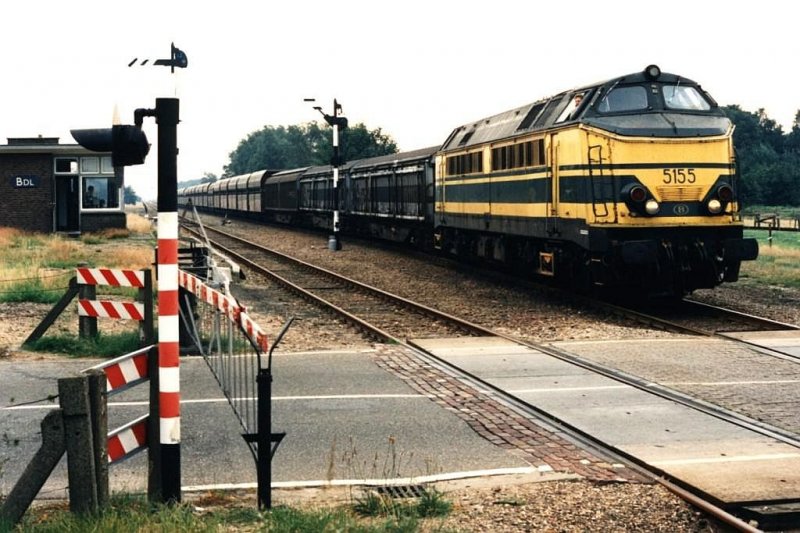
(532, 314)
(528, 313)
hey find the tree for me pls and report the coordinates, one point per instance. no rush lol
(130, 195)
(768, 160)
(793, 139)
(304, 145)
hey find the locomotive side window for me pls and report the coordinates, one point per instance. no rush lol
(684, 97)
(465, 164)
(527, 154)
(622, 99)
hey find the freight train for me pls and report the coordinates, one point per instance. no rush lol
(628, 184)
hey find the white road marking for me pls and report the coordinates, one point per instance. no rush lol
(224, 400)
(392, 481)
(726, 459)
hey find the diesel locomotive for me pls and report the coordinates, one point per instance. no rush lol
(628, 184)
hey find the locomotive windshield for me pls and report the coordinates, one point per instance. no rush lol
(684, 97)
(635, 98)
(620, 99)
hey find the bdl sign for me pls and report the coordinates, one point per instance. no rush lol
(25, 182)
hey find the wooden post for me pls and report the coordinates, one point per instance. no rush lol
(55, 312)
(87, 325)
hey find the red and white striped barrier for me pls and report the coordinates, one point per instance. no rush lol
(124, 371)
(212, 297)
(225, 304)
(111, 309)
(127, 440)
(253, 331)
(113, 277)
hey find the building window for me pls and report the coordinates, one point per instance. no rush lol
(66, 165)
(100, 193)
(105, 165)
(90, 165)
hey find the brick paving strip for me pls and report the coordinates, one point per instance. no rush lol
(498, 423)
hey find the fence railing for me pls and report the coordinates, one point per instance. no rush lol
(79, 428)
(232, 344)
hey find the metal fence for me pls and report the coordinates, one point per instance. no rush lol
(214, 325)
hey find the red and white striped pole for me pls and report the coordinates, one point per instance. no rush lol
(168, 318)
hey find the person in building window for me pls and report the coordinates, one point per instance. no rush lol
(89, 199)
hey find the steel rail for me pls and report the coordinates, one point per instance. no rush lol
(678, 327)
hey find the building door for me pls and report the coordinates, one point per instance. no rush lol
(67, 214)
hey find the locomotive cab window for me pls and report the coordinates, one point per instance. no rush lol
(573, 108)
(684, 97)
(621, 99)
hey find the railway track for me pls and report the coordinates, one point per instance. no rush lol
(697, 318)
(393, 319)
(378, 313)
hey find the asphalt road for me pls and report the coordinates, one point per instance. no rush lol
(345, 418)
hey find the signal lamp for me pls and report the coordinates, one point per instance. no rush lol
(725, 193)
(637, 194)
(128, 144)
(651, 207)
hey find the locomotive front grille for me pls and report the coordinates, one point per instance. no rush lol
(680, 194)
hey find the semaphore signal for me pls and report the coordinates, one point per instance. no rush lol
(177, 59)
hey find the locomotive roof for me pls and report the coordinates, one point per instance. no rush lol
(540, 114)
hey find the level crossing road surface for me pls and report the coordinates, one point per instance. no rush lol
(731, 463)
(345, 419)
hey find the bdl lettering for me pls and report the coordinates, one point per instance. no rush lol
(25, 182)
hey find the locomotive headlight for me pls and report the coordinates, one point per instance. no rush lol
(714, 206)
(651, 207)
(652, 72)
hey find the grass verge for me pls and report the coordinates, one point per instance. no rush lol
(778, 260)
(100, 346)
(37, 267)
(129, 513)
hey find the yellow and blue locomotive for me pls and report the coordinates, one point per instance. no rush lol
(629, 184)
(626, 183)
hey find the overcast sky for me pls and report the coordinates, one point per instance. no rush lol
(415, 68)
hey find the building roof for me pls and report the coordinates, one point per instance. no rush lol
(44, 145)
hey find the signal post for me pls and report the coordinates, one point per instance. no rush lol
(128, 146)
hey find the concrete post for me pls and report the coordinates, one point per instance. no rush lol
(73, 396)
(37, 471)
(99, 418)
